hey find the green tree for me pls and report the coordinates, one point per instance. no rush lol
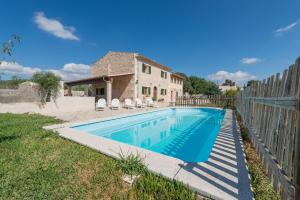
(228, 82)
(231, 92)
(15, 81)
(187, 87)
(49, 85)
(202, 86)
(249, 83)
(7, 48)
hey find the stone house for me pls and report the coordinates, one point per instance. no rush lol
(130, 75)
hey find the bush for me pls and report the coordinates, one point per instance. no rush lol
(49, 85)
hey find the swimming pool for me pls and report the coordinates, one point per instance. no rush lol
(184, 133)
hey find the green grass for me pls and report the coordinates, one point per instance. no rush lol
(38, 164)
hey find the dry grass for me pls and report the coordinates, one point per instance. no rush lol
(262, 187)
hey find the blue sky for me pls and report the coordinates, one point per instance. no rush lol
(215, 39)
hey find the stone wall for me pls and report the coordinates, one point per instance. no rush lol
(114, 63)
(27, 92)
(62, 108)
(123, 87)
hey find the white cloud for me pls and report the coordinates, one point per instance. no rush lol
(287, 28)
(250, 61)
(15, 68)
(70, 71)
(54, 27)
(238, 77)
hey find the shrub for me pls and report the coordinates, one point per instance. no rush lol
(131, 164)
(49, 85)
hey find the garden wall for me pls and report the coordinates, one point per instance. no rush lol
(26, 92)
(270, 109)
(63, 104)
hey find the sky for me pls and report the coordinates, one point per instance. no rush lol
(214, 39)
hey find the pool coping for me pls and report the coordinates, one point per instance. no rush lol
(164, 165)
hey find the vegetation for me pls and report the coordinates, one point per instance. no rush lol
(231, 92)
(228, 82)
(11, 84)
(151, 186)
(38, 164)
(196, 85)
(249, 83)
(78, 88)
(7, 48)
(262, 188)
(49, 85)
(131, 164)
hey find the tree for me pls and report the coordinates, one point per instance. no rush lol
(249, 83)
(231, 92)
(49, 85)
(197, 85)
(7, 48)
(187, 87)
(228, 83)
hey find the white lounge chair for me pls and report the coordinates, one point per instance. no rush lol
(101, 104)
(128, 104)
(139, 103)
(115, 104)
(150, 103)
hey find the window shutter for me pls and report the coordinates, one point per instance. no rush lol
(149, 69)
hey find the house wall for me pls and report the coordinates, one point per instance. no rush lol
(114, 63)
(123, 87)
(151, 80)
(175, 87)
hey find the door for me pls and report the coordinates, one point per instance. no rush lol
(155, 93)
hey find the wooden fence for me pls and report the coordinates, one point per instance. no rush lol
(213, 100)
(270, 110)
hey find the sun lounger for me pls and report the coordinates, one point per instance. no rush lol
(128, 104)
(115, 104)
(139, 103)
(101, 104)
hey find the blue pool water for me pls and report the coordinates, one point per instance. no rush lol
(184, 133)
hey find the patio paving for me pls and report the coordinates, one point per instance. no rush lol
(223, 176)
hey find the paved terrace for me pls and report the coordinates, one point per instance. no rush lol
(223, 176)
(82, 110)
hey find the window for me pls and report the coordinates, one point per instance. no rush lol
(146, 69)
(163, 74)
(163, 91)
(100, 91)
(146, 90)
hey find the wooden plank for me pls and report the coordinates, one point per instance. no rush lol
(271, 109)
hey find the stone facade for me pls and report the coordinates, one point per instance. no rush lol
(128, 79)
(114, 63)
(26, 92)
(176, 87)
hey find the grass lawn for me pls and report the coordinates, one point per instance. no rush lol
(38, 164)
